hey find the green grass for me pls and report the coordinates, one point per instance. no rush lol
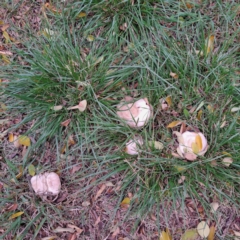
(62, 69)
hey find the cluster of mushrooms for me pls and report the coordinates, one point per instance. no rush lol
(135, 114)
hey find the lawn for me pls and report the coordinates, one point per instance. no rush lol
(134, 105)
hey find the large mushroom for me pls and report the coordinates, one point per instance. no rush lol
(136, 114)
(191, 145)
(46, 183)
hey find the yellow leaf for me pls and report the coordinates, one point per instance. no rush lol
(180, 168)
(226, 153)
(5, 59)
(15, 215)
(19, 174)
(10, 137)
(31, 170)
(125, 202)
(81, 14)
(174, 124)
(195, 148)
(169, 100)
(156, 145)
(210, 43)
(189, 6)
(198, 142)
(190, 234)
(24, 140)
(199, 115)
(90, 38)
(212, 233)
(210, 108)
(6, 36)
(165, 235)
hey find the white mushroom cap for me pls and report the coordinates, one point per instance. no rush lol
(135, 114)
(46, 183)
(188, 141)
(132, 145)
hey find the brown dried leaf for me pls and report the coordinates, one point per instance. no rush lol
(116, 231)
(4, 27)
(77, 229)
(60, 230)
(210, 43)
(10, 137)
(174, 75)
(66, 122)
(123, 27)
(12, 207)
(102, 188)
(8, 53)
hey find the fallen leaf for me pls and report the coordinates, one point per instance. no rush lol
(214, 206)
(223, 124)
(227, 161)
(116, 231)
(180, 168)
(31, 170)
(85, 204)
(123, 27)
(77, 229)
(226, 153)
(6, 36)
(5, 59)
(174, 124)
(236, 233)
(169, 100)
(174, 75)
(125, 202)
(109, 184)
(198, 141)
(8, 53)
(97, 221)
(99, 192)
(15, 215)
(199, 115)
(190, 234)
(181, 179)
(157, 145)
(100, 59)
(165, 235)
(81, 15)
(210, 43)
(60, 230)
(57, 108)
(90, 38)
(24, 140)
(210, 108)
(203, 229)
(189, 6)
(12, 207)
(212, 233)
(4, 27)
(66, 122)
(49, 238)
(19, 175)
(235, 109)
(10, 137)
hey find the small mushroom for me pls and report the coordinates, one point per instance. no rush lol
(136, 114)
(133, 144)
(191, 145)
(46, 183)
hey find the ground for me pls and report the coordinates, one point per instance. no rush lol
(182, 56)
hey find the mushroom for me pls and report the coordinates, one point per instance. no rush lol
(191, 145)
(133, 144)
(136, 114)
(46, 183)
